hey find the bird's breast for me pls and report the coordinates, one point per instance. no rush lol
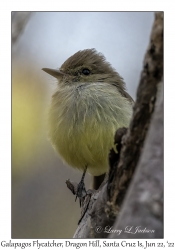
(82, 123)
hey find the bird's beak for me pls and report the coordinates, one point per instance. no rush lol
(53, 72)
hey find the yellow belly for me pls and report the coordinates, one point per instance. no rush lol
(83, 124)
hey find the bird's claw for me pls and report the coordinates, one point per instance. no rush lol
(81, 192)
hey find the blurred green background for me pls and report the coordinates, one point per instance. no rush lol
(41, 203)
(42, 206)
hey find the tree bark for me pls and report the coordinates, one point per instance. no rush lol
(143, 206)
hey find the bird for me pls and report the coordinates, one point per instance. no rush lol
(89, 104)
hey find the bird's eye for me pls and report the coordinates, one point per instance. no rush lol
(86, 72)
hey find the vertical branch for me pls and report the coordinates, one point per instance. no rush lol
(133, 141)
(143, 205)
(19, 21)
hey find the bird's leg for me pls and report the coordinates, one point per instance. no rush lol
(81, 191)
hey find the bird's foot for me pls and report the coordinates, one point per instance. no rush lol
(81, 192)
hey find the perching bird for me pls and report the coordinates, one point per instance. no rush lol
(89, 105)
